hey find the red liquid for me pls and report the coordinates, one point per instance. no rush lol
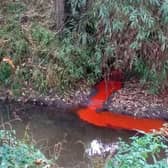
(113, 120)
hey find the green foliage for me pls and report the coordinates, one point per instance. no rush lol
(39, 81)
(79, 63)
(29, 47)
(131, 29)
(5, 73)
(16, 44)
(15, 7)
(16, 154)
(142, 152)
(157, 79)
(42, 35)
(100, 35)
(13, 42)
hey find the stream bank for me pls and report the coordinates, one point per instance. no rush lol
(62, 136)
(132, 99)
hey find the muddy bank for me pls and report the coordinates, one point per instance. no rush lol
(132, 99)
(135, 100)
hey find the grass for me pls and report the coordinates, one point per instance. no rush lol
(42, 61)
(28, 46)
(47, 63)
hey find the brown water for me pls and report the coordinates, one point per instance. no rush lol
(63, 132)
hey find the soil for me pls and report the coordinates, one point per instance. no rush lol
(132, 99)
(135, 100)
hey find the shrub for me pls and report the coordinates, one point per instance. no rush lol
(99, 35)
(17, 154)
(79, 62)
(122, 32)
(142, 152)
(29, 45)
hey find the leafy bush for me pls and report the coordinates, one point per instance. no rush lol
(99, 35)
(42, 35)
(121, 33)
(17, 154)
(79, 63)
(157, 79)
(142, 152)
(28, 46)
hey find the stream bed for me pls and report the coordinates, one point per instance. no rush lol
(59, 133)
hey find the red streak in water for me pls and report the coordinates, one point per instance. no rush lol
(113, 120)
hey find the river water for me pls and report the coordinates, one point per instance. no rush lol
(58, 134)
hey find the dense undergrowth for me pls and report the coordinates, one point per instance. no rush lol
(148, 151)
(141, 152)
(16, 153)
(28, 44)
(99, 36)
(42, 60)
(130, 35)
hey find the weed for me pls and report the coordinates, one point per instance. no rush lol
(109, 34)
(11, 149)
(39, 81)
(5, 73)
(138, 153)
(15, 7)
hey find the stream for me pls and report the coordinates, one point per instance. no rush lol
(62, 135)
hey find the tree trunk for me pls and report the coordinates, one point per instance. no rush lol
(59, 14)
